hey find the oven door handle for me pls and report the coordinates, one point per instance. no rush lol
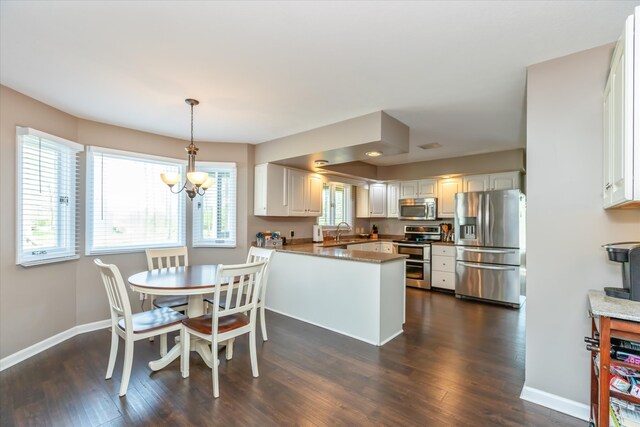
(415, 261)
(409, 245)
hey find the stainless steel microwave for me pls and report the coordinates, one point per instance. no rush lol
(418, 209)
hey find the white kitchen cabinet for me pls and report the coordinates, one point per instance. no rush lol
(447, 189)
(475, 183)
(419, 189)
(504, 181)
(387, 247)
(305, 193)
(409, 189)
(377, 200)
(494, 181)
(270, 190)
(393, 194)
(362, 202)
(621, 122)
(427, 188)
(443, 266)
(384, 247)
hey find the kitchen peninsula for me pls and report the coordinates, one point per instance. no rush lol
(360, 294)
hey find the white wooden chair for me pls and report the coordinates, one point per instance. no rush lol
(163, 258)
(225, 324)
(131, 327)
(257, 255)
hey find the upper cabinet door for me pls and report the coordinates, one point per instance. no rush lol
(475, 183)
(270, 190)
(362, 202)
(393, 193)
(447, 188)
(409, 189)
(504, 181)
(297, 192)
(620, 187)
(377, 200)
(428, 188)
(314, 198)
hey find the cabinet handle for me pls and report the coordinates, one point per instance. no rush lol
(608, 186)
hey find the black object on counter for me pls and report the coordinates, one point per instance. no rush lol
(628, 254)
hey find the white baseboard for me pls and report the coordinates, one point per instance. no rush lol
(41, 346)
(336, 330)
(557, 403)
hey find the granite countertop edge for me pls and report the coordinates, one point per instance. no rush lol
(343, 254)
(603, 305)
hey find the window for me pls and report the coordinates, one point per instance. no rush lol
(214, 214)
(336, 204)
(47, 183)
(129, 208)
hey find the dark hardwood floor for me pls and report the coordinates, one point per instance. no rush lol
(458, 363)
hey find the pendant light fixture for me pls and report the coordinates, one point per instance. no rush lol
(196, 182)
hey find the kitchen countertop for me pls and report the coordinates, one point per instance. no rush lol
(602, 305)
(320, 249)
(444, 243)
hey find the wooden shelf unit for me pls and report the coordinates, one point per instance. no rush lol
(600, 393)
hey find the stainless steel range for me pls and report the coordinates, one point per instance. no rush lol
(417, 244)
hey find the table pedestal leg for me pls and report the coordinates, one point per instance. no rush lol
(171, 355)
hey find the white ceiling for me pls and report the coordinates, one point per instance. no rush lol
(454, 72)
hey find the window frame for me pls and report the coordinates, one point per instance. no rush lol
(197, 241)
(92, 151)
(66, 247)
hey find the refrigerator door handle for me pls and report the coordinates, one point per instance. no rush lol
(491, 251)
(487, 267)
(487, 233)
(480, 221)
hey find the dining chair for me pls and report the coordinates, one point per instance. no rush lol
(164, 258)
(131, 327)
(242, 285)
(256, 255)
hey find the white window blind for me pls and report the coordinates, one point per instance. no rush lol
(214, 214)
(46, 208)
(129, 208)
(337, 205)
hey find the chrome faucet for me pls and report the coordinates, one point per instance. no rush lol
(338, 230)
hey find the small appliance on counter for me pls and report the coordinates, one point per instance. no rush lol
(317, 234)
(628, 254)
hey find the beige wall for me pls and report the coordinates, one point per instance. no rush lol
(42, 299)
(566, 224)
(52, 298)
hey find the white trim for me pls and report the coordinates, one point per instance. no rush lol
(135, 154)
(24, 354)
(557, 403)
(34, 132)
(335, 330)
(217, 165)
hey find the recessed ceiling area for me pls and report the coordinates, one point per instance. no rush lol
(453, 72)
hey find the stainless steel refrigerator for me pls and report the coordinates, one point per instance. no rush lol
(490, 245)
